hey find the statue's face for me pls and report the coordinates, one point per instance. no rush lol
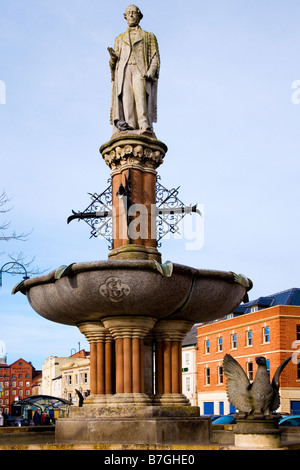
(132, 16)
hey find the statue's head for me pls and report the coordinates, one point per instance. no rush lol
(133, 15)
(261, 361)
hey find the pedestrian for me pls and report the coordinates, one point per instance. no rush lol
(47, 420)
(43, 417)
(36, 418)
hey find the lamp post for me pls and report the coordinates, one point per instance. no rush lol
(13, 263)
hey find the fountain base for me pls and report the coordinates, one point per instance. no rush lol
(134, 424)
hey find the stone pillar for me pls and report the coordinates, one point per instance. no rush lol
(168, 336)
(101, 360)
(129, 334)
(133, 159)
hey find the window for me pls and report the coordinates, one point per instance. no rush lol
(220, 344)
(250, 370)
(268, 365)
(249, 338)
(220, 375)
(188, 384)
(298, 370)
(187, 359)
(20, 384)
(206, 346)
(298, 333)
(207, 376)
(85, 378)
(266, 334)
(254, 308)
(70, 379)
(233, 341)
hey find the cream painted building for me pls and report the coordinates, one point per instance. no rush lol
(75, 375)
(51, 370)
(189, 366)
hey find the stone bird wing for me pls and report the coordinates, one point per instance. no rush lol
(275, 384)
(237, 384)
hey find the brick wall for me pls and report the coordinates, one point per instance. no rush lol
(282, 322)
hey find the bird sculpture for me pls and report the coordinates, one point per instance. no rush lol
(122, 125)
(258, 397)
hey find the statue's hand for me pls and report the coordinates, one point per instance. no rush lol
(149, 76)
(113, 55)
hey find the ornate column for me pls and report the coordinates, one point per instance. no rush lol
(168, 337)
(133, 159)
(101, 361)
(129, 333)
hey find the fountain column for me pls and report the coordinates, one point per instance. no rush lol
(133, 159)
(129, 334)
(168, 337)
(101, 360)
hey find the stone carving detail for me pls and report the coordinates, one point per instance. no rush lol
(135, 155)
(114, 289)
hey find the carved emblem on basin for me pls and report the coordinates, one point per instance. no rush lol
(114, 289)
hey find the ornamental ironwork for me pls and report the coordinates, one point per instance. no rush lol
(169, 211)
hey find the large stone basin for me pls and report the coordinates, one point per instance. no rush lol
(91, 291)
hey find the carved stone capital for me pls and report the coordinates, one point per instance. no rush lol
(95, 332)
(133, 151)
(171, 330)
(129, 327)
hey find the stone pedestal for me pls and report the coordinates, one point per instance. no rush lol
(258, 433)
(120, 424)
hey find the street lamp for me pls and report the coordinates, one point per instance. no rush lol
(13, 263)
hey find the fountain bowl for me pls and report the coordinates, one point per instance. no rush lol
(91, 291)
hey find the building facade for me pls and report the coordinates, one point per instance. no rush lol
(52, 380)
(189, 366)
(272, 332)
(75, 375)
(15, 383)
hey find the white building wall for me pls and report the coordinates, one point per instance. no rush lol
(189, 373)
(51, 370)
(217, 398)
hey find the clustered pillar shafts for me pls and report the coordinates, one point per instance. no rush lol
(101, 358)
(168, 360)
(129, 334)
(117, 359)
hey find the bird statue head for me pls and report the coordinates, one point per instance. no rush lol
(261, 361)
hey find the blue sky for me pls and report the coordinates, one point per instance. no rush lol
(225, 111)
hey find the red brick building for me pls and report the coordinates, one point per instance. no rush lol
(15, 382)
(264, 330)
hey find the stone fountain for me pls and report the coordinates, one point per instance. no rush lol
(133, 309)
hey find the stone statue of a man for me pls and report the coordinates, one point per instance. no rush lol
(134, 64)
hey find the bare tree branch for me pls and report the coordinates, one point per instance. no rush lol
(14, 259)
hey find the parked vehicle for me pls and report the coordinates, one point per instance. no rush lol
(290, 421)
(228, 419)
